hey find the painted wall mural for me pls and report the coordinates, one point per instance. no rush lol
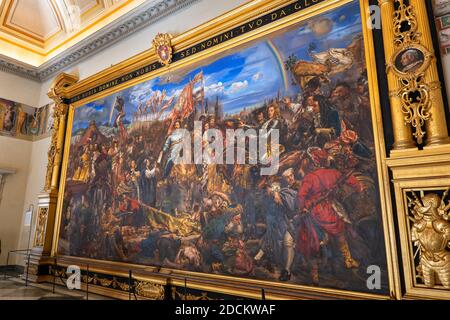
(21, 121)
(317, 221)
(442, 17)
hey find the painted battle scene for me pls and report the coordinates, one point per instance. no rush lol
(317, 221)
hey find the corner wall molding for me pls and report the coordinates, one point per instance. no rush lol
(135, 20)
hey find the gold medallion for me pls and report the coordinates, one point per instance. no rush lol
(163, 48)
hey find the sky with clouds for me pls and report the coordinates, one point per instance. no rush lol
(244, 77)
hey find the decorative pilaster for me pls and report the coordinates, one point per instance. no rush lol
(60, 114)
(436, 126)
(415, 90)
(45, 222)
(401, 130)
(420, 177)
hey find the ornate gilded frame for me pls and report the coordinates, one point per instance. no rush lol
(427, 174)
(145, 66)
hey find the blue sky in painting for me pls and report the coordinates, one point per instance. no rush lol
(244, 77)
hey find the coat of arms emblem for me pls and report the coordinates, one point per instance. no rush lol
(163, 48)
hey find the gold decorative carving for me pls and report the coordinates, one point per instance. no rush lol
(416, 109)
(142, 288)
(163, 48)
(60, 111)
(411, 58)
(149, 290)
(57, 273)
(56, 145)
(202, 296)
(402, 133)
(105, 282)
(404, 15)
(121, 285)
(39, 237)
(87, 279)
(430, 233)
(409, 62)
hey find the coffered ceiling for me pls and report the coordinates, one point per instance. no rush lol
(37, 33)
(34, 31)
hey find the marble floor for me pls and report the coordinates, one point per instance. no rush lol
(14, 289)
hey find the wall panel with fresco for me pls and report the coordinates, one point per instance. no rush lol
(25, 122)
(313, 226)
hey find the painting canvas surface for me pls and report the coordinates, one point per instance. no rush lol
(317, 221)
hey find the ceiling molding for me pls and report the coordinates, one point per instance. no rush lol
(137, 19)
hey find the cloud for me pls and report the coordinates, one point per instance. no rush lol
(215, 88)
(95, 111)
(242, 81)
(257, 76)
(346, 32)
(321, 27)
(171, 78)
(257, 54)
(141, 92)
(237, 86)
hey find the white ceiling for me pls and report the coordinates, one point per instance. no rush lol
(34, 17)
(34, 31)
(39, 38)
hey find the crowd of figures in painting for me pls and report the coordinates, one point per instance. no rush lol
(317, 221)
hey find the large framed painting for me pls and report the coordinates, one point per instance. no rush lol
(304, 214)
